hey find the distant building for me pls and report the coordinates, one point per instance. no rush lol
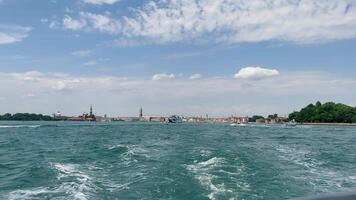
(90, 116)
(261, 120)
(241, 120)
(128, 119)
(157, 119)
(276, 120)
(104, 118)
(58, 116)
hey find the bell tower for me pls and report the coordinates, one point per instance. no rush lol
(141, 113)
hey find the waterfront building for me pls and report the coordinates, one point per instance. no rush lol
(156, 119)
(58, 116)
(90, 116)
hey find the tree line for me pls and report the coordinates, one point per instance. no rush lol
(329, 112)
(25, 117)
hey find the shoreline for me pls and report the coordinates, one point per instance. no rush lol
(329, 124)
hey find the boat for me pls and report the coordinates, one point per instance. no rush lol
(291, 123)
(238, 124)
(175, 119)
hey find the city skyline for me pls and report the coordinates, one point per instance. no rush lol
(176, 57)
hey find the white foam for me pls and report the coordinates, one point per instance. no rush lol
(116, 146)
(28, 194)
(206, 165)
(210, 171)
(205, 153)
(131, 149)
(74, 182)
(83, 183)
(20, 126)
(128, 156)
(313, 172)
(202, 171)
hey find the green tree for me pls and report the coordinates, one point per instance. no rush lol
(25, 117)
(255, 118)
(325, 113)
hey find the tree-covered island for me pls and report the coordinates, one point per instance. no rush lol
(329, 112)
(25, 117)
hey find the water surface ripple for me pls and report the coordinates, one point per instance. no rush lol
(67, 160)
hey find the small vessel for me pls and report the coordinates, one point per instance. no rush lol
(291, 123)
(175, 119)
(237, 124)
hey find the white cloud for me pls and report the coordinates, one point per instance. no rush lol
(124, 42)
(230, 21)
(256, 73)
(245, 20)
(102, 23)
(13, 33)
(195, 76)
(158, 77)
(81, 53)
(28, 76)
(73, 24)
(60, 85)
(100, 2)
(90, 63)
(90, 22)
(44, 20)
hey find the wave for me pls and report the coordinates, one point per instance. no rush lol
(205, 153)
(130, 153)
(74, 184)
(314, 171)
(210, 172)
(202, 171)
(28, 194)
(80, 183)
(20, 126)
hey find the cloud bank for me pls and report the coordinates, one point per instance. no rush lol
(227, 21)
(195, 76)
(115, 96)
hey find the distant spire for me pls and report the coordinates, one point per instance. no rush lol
(91, 110)
(141, 113)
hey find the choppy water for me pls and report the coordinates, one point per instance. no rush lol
(62, 160)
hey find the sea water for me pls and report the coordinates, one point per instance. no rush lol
(118, 160)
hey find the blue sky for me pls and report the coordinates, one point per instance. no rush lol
(59, 49)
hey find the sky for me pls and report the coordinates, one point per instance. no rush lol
(186, 57)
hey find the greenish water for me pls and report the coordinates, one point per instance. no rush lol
(62, 160)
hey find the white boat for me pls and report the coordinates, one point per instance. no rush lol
(291, 123)
(237, 124)
(175, 119)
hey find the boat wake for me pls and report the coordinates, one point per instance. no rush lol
(130, 153)
(314, 172)
(211, 175)
(73, 184)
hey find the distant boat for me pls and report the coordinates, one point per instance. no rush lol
(237, 124)
(175, 119)
(291, 123)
